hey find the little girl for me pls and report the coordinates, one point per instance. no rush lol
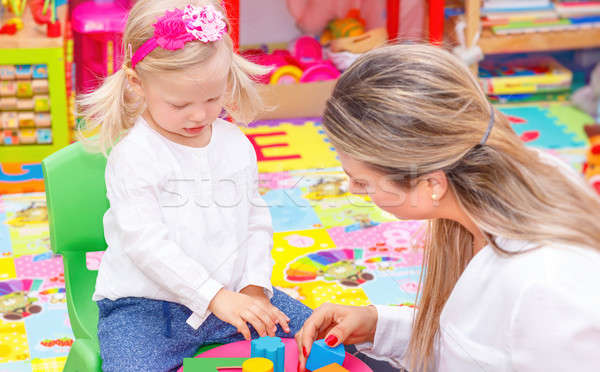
(189, 238)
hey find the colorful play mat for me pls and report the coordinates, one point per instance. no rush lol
(329, 246)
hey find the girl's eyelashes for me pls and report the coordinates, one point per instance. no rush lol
(179, 107)
(182, 106)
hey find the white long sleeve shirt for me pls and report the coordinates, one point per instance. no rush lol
(535, 311)
(184, 222)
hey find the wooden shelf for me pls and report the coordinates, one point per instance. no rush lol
(539, 41)
(32, 35)
(526, 42)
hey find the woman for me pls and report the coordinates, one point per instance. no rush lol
(512, 258)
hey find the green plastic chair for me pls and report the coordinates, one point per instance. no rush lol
(76, 198)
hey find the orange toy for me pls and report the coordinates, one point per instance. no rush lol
(361, 43)
(591, 168)
(352, 25)
(333, 367)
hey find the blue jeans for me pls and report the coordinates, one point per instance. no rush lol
(139, 334)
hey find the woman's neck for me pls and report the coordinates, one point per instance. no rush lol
(453, 211)
(479, 240)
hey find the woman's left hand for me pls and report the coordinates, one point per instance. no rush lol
(258, 293)
(337, 324)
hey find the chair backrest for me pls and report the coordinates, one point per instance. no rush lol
(76, 198)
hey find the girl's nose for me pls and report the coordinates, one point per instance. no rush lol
(198, 116)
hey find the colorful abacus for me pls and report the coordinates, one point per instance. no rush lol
(24, 105)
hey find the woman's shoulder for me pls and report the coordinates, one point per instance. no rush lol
(550, 264)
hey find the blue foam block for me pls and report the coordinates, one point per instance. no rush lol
(322, 355)
(271, 348)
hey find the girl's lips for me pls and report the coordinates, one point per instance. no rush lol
(194, 130)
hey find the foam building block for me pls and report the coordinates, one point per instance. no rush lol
(322, 355)
(333, 367)
(271, 348)
(211, 364)
(257, 365)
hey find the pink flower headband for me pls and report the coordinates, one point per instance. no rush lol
(177, 27)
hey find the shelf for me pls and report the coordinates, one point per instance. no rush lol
(539, 41)
(33, 35)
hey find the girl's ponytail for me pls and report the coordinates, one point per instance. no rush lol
(109, 112)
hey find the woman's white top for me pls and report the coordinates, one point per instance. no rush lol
(184, 222)
(534, 311)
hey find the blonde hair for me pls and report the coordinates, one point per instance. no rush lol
(409, 110)
(113, 108)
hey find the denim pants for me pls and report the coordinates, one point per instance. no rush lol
(144, 335)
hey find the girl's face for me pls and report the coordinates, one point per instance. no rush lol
(414, 203)
(182, 105)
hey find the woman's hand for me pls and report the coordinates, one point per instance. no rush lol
(337, 324)
(238, 309)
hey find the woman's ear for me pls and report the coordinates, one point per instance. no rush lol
(438, 184)
(135, 83)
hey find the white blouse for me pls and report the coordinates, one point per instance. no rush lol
(535, 311)
(184, 222)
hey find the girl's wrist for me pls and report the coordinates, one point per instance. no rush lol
(253, 290)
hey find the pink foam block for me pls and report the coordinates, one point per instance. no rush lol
(241, 349)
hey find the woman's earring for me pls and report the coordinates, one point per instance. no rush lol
(434, 197)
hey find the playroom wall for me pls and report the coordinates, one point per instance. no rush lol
(266, 21)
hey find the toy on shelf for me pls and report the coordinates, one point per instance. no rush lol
(524, 76)
(15, 23)
(313, 16)
(44, 13)
(591, 168)
(270, 348)
(588, 97)
(349, 26)
(33, 120)
(98, 30)
(322, 355)
(24, 105)
(361, 43)
(345, 39)
(303, 64)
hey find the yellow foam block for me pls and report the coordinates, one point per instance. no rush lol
(48, 364)
(291, 147)
(257, 365)
(13, 345)
(7, 268)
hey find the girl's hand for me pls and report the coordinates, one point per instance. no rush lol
(277, 315)
(238, 309)
(337, 324)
